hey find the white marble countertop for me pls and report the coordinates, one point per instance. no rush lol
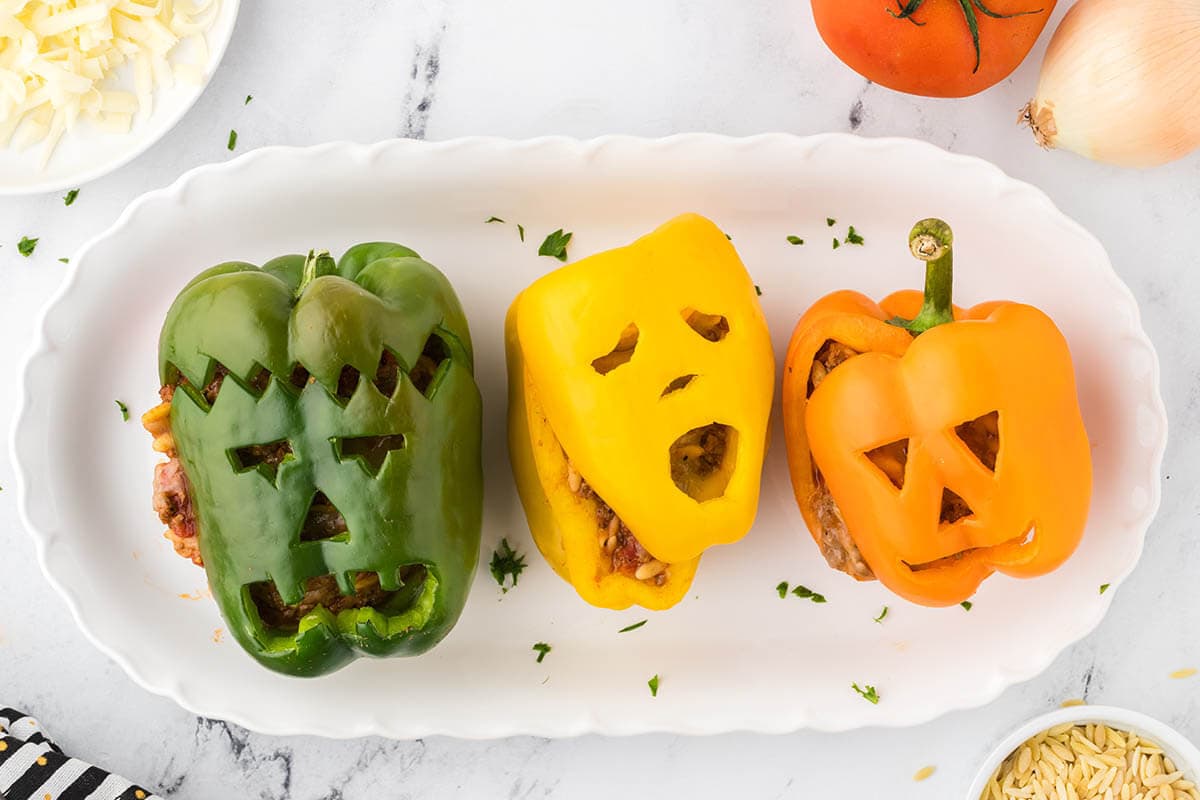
(366, 71)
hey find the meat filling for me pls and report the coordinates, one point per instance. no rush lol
(323, 591)
(615, 538)
(835, 541)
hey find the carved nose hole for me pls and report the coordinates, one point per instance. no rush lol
(428, 363)
(891, 460)
(954, 508)
(621, 354)
(982, 437)
(323, 522)
(703, 460)
(679, 383)
(369, 450)
(712, 327)
(265, 458)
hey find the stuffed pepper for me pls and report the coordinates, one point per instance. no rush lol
(640, 386)
(323, 429)
(930, 446)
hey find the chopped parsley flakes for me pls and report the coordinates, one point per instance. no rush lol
(632, 627)
(232, 140)
(490, 220)
(782, 588)
(836, 243)
(793, 239)
(867, 693)
(70, 197)
(26, 246)
(805, 593)
(124, 410)
(65, 260)
(249, 97)
(967, 605)
(555, 245)
(852, 236)
(521, 231)
(882, 615)
(758, 290)
(506, 562)
(542, 648)
(653, 684)
(830, 221)
(1104, 587)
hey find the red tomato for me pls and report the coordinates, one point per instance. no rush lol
(926, 47)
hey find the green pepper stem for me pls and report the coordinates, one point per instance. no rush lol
(316, 264)
(932, 241)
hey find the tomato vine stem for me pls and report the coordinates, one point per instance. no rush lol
(969, 7)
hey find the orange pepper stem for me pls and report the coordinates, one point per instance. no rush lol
(932, 241)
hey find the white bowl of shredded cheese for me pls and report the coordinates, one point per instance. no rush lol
(87, 85)
(1091, 753)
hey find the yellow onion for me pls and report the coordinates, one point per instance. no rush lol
(1121, 82)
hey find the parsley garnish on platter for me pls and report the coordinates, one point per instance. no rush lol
(249, 97)
(632, 627)
(882, 615)
(521, 230)
(867, 693)
(542, 648)
(805, 593)
(232, 140)
(124, 409)
(26, 246)
(65, 260)
(782, 588)
(555, 245)
(70, 197)
(852, 236)
(967, 605)
(793, 239)
(1104, 587)
(758, 290)
(830, 221)
(490, 220)
(506, 562)
(653, 684)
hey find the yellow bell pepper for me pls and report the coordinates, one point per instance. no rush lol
(640, 389)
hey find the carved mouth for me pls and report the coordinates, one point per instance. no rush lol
(323, 600)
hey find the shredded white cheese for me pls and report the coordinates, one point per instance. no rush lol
(60, 62)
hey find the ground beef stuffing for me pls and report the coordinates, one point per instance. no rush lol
(628, 556)
(835, 541)
(320, 591)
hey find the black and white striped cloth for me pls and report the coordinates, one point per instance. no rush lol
(33, 768)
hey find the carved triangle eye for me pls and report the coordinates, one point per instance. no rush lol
(982, 437)
(369, 450)
(265, 458)
(891, 460)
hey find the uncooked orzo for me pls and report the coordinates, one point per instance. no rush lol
(1088, 762)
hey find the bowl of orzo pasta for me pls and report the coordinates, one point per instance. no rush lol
(1091, 753)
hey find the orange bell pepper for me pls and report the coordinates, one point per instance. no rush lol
(930, 451)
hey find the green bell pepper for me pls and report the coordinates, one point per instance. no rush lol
(328, 422)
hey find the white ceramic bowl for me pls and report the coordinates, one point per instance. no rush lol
(85, 153)
(1174, 744)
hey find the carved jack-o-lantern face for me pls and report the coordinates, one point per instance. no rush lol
(332, 456)
(946, 457)
(650, 368)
